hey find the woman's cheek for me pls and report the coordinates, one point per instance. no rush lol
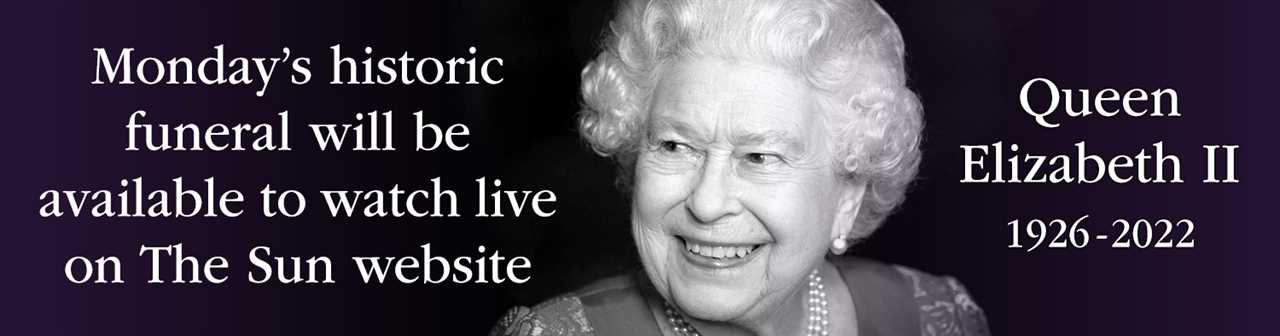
(658, 192)
(792, 214)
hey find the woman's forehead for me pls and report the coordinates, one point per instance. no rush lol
(745, 96)
(718, 75)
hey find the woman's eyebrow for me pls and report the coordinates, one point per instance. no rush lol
(681, 128)
(789, 140)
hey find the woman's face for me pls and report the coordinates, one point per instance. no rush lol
(735, 194)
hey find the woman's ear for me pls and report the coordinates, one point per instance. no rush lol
(847, 206)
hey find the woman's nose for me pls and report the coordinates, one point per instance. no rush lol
(713, 197)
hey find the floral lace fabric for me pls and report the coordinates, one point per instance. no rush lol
(561, 316)
(945, 309)
(945, 306)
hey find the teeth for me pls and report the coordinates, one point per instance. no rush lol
(719, 252)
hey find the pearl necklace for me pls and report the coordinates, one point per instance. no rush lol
(815, 312)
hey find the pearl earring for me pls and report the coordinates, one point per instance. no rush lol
(839, 245)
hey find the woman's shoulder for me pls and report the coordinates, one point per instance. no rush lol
(561, 315)
(617, 298)
(942, 304)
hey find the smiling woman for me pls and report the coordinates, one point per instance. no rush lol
(734, 175)
(758, 140)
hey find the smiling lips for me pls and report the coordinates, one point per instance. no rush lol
(719, 252)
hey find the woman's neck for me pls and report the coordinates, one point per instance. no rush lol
(789, 317)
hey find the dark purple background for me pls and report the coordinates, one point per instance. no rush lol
(967, 60)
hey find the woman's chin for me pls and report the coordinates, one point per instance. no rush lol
(715, 304)
(715, 298)
(717, 288)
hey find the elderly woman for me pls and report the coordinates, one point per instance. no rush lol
(759, 139)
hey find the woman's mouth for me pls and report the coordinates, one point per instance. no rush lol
(718, 255)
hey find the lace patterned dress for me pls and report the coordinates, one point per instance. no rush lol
(891, 300)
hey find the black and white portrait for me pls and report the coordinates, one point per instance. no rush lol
(757, 141)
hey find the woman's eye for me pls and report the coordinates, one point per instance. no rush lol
(762, 158)
(674, 154)
(673, 147)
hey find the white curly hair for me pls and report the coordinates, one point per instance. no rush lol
(850, 51)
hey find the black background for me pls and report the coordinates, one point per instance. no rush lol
(967, 60)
